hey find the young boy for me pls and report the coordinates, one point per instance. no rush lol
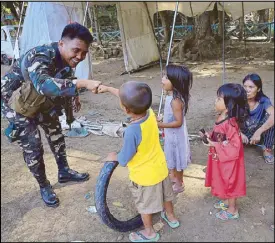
(142, 153)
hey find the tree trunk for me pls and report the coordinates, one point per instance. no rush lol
(263, 16)
(190, 21)
(96, 25)
(271, 15)
(221, 23)
(241, 26)
(203, 26)
(165, 22)
(11, 6)
(270, 20)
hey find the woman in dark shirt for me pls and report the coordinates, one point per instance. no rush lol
(259, 127)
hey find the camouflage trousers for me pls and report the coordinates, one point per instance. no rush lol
(29, 139)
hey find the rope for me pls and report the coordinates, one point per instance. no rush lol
(191, 9)
(169, 51)
(85, 13)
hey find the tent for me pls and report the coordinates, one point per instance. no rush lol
(45, 21)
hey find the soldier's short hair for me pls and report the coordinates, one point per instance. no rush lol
(76, 30)
(136, 96)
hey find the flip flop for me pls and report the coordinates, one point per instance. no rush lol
(224, 215)
(220, 205)
(269, 159)
(144, 238)
(173, 225)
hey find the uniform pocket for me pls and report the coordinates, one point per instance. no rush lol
(26, 100)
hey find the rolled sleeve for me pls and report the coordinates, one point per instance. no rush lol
(40, 74)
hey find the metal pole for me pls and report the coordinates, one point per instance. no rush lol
(223, 47)
(17, 34)
(169, 51)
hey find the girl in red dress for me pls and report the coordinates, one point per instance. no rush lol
(225, 172)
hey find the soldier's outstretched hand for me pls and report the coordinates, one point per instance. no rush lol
(93, 86)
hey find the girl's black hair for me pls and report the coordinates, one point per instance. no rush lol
(182, 80)
(235, 99)
(256, 79)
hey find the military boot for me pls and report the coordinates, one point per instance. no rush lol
(66, 174)
(47, 193)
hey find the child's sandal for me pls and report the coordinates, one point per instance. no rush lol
(224, 215)
(173, 225)
(269, 159)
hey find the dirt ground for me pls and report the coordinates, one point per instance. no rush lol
(24, 217)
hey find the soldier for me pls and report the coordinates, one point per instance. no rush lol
(31, 94)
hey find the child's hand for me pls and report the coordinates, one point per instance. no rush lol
(103, 89)
(244, 138)
(210, 143)
(160, 124)
(159, 118)
(111, 157)
(206, 133)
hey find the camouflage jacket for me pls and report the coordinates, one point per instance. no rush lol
(42, 64)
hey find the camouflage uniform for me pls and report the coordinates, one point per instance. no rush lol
(42, 64)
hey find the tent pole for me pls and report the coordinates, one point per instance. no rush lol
(169, 51)
(17, 34)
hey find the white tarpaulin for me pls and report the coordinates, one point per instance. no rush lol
(44, 23)
(137, 36)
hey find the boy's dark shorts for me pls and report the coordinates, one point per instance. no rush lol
(150, 199)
